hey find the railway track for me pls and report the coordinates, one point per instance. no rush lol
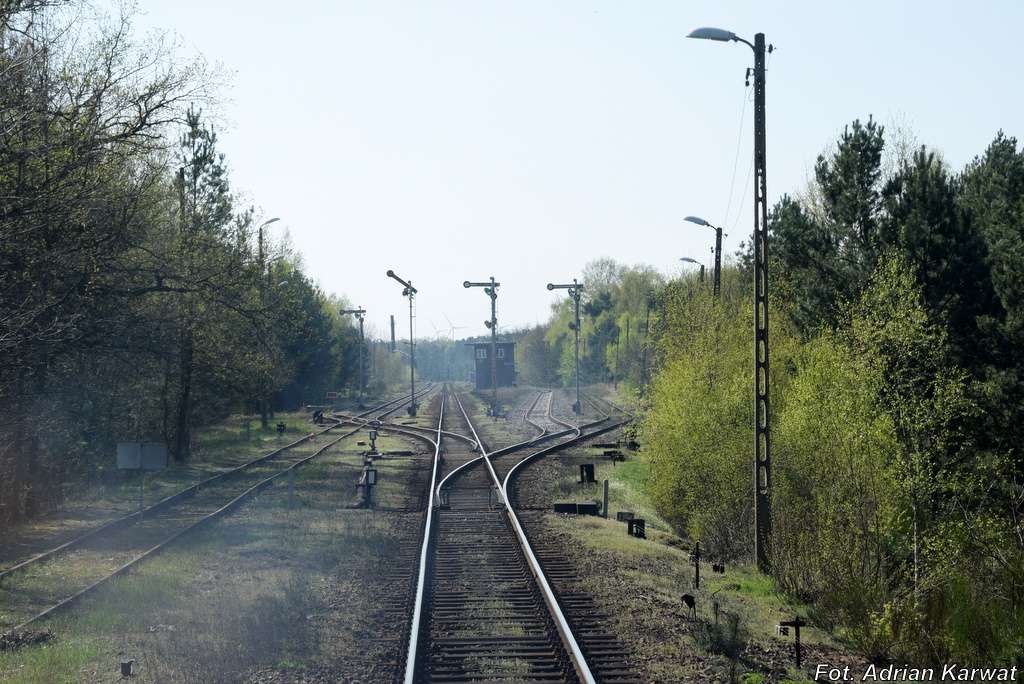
(485, 609)
(609, 661)
(56, 579)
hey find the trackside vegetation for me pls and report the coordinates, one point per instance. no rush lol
(897, 392)
(897, 472)
(140, 296)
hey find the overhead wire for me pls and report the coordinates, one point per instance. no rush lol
(736, 160)
(750, 168)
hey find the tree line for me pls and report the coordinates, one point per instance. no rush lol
(897, 395)
(617, 314)
(897, 390)
(140, 296)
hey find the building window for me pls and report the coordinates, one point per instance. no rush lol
(499, 353)
(481, 353)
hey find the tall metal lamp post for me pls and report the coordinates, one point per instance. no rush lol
(718, 250)
(360, 313)
(762, 433)
(410, 292)
(491, 290)
(688, 260)
(575, 289)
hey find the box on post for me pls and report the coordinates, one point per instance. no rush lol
(146, 456)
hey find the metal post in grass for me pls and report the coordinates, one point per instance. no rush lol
(695, 557)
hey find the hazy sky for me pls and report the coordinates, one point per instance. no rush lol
(521, 139)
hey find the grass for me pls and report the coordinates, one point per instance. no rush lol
(640, 582)
(50, 663)
(89, 504)
(266, 588)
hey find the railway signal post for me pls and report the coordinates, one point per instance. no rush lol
(491, 290)
(410, 292)
(762, 432)
(574, 289)
(359, 313)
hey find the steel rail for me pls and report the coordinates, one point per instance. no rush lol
(180, 495)
(500, 452)
(163, 545)
(571, 426)
(411, 429)
(416, 622)
(530, 421)
(572, 647)
(598, 400)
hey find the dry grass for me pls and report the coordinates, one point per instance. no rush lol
(217, 448)
(260, 595)
(639, 582)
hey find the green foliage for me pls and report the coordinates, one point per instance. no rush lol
(829, 249)
(832, 490)
(617, 317)
(885, 518)
(695, 434)
(136, 298)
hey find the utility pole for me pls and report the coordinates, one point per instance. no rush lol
(762, 431)
(575, 290)
(491, 290)
(762, 444)
(410, 292)
(360, 313)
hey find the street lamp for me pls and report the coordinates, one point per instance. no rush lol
(762, 444)
(574, 289)
(688, 260)
(491, 290)
(718, 250)
(410, 292)
(360, 313)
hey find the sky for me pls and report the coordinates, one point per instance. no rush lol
(521, 139)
